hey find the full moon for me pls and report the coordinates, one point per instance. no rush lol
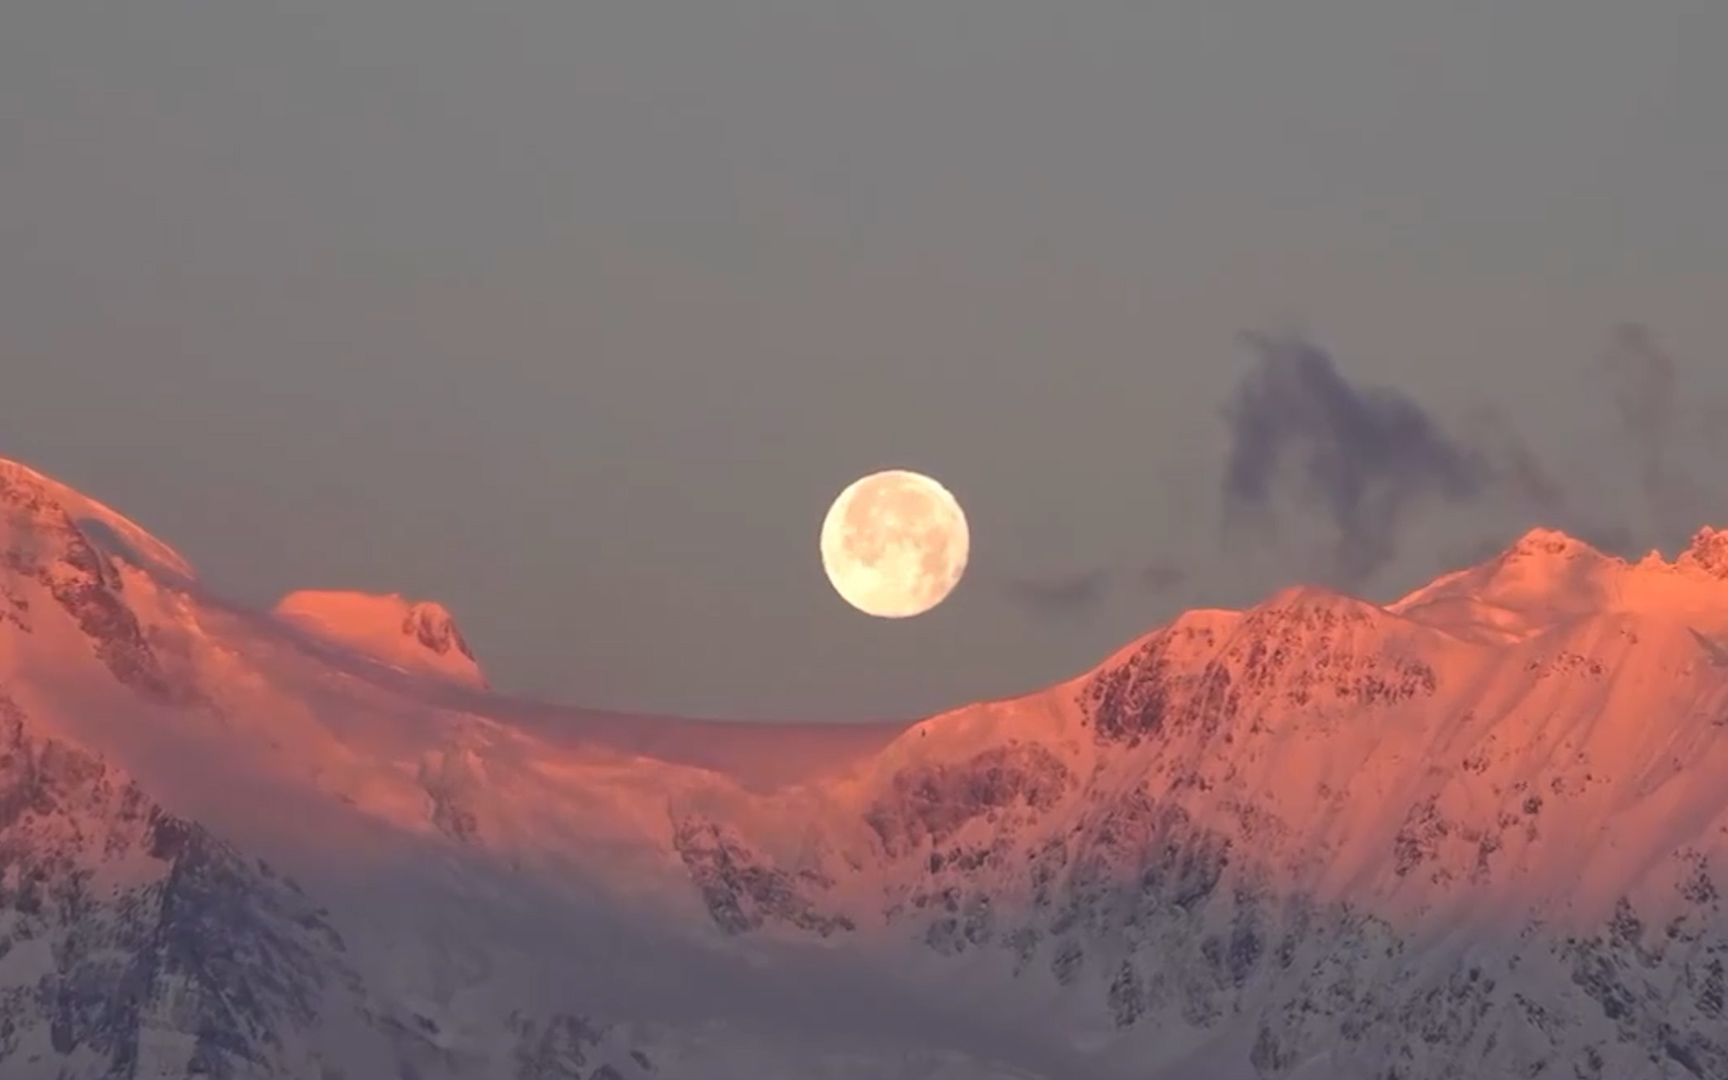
(894, 544)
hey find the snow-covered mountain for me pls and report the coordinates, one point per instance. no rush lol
(417, 636)
(1481, 831)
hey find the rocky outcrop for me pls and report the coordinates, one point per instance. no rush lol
(566, 1046)
(134, 943)
(1477, 833)
(743, 890)
(929, 803)
(41, 543)
(433, 626)
(1708, 552)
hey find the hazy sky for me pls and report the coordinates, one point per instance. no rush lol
(575, 315)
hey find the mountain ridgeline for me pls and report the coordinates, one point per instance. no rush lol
(1481, 831)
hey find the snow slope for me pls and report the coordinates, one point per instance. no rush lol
(1477, 831)
(419, 637)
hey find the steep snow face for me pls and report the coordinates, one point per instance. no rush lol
(417, 636)
(1480, 831)
(49, 563)
(111, 532)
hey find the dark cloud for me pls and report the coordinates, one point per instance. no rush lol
(1713, 426)
(1159, 578)
(1524, 476)
(1517, 472)
(1362, 455)
(1474, 552)
(1644, 386)
(1064, 595)
(1076, 594)
(1642, 382)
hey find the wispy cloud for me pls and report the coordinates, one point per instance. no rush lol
(1161, 577)
(1066, 595)
(1642, 383)
(1645, 392)
(1361, 455)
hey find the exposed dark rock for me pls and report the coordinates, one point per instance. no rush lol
(741, 889)
(1126, 997)
(932, 802)
(432, 626)
(1301, 651)
(452, 778)
(58, 555)
(190, 938)
(558, 1048)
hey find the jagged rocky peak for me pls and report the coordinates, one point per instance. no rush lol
(420, 636)
(431, 623)
(1708, 552)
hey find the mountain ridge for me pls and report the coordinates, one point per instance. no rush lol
(1473, 830)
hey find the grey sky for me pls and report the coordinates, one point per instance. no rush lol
(575, 315)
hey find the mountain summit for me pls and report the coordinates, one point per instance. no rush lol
(1708, 553)
(1478, 831)
(1547, 577)
(418, 636)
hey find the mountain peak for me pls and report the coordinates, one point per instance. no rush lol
(1478, 833)
(1708, 552)
(1543, 543)
(1545, 575)
(415, 635)
(1313, 597)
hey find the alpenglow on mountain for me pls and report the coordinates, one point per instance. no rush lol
(1479, 832)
